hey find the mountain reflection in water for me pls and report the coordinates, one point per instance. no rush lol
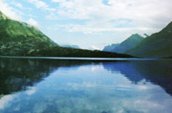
(157, 72)
(57, 86)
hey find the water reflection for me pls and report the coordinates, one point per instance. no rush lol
(17, 74)
(50, 86)
(157, 72)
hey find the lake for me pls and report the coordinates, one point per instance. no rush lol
(85, 86)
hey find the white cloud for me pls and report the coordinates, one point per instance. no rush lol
(58, 1)
(5, 100)
(33, 22)
(91, 29)
(144, 14)
(19, 5)
(39, 4)
(9, 11)
(117, 9)
(31, 91)
(93, 47)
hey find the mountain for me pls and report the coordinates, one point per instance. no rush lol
(157, 45)
(126, 45)
(20, 39)
(109, 48)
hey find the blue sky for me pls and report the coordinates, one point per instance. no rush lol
(91, 24)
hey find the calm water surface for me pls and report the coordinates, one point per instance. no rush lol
(57, 86)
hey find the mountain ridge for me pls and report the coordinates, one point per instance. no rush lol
(109, 48)
(156, 45)
(127, 44)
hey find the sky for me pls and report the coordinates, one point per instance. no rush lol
(91, 24)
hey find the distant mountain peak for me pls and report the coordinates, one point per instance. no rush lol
(109, 48)
(135, 36)
(124, 46)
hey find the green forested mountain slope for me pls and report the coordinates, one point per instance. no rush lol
(17, 38)
(156, 45)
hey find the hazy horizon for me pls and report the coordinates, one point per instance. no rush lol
(90, 24)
